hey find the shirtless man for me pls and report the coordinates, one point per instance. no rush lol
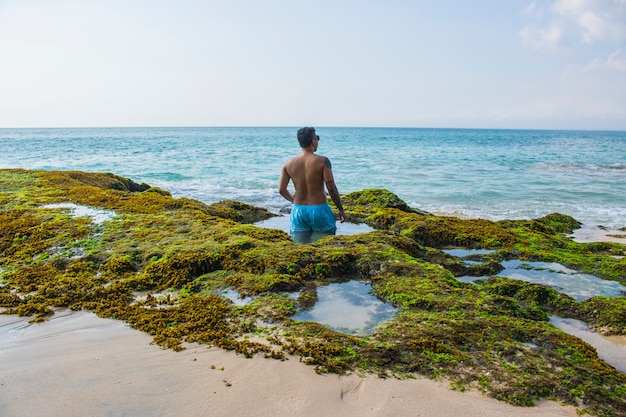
(311, 216)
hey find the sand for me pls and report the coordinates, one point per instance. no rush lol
(77, 364)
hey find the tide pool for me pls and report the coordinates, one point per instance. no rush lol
(348, 307)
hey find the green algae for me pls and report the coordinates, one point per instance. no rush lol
(239, 212)
(606, 315)
(376, 198)
(493, 336)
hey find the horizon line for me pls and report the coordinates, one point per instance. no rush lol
(317, 127)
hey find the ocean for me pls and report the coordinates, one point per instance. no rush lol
(468, 173)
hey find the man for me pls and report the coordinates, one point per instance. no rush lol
(311, 216)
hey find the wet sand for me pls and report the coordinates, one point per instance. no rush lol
(611, 349)
(77, 364)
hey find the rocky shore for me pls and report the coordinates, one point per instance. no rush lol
(161, 265)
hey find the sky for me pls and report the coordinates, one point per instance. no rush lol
(516, 64)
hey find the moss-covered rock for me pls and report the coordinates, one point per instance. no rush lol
(161, 264)
(239, 212)
(378, 198)
(606, 315)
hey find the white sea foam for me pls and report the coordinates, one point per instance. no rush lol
(97, 215)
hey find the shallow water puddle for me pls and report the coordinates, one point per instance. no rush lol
(235, 297)
(348, 307)
(345, 228)
(461, 253)
(568, 281)
(466, 253)
(97, 215)
(609, 349)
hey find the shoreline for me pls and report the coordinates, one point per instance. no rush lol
(79, 364)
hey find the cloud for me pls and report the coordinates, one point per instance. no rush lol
(562, 24)
(615, 62)
(580, 13)
(544, 39)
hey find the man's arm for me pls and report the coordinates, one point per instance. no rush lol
(334, 195)
(332, 189)
(283, 183)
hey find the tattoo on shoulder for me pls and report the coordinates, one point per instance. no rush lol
(327, 163)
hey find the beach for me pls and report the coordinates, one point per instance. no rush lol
(77, 364)
(151, 262)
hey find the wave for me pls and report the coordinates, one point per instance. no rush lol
(597, 214)
(614, 166)
(581, 167)
(167, 176)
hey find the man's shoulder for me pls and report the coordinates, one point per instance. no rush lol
(324, 160)
(302, 159)
(293, 159)
(294, 162)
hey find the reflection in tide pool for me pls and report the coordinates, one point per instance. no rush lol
(466, 253)
(460, 253)
(577, 285)
(568, 281)
(348, 307)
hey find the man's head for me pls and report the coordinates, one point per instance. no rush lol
(306, 136)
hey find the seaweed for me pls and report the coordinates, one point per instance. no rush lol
(161, 264)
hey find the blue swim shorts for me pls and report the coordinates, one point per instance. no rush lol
(319, 218)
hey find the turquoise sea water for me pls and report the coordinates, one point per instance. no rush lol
(492, 174)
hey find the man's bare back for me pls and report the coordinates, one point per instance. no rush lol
(309, 172)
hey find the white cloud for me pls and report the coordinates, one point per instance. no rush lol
(545, 40)
(615, 62)
(596, 20)
(564, 23)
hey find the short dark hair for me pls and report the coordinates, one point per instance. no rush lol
(305, 136)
